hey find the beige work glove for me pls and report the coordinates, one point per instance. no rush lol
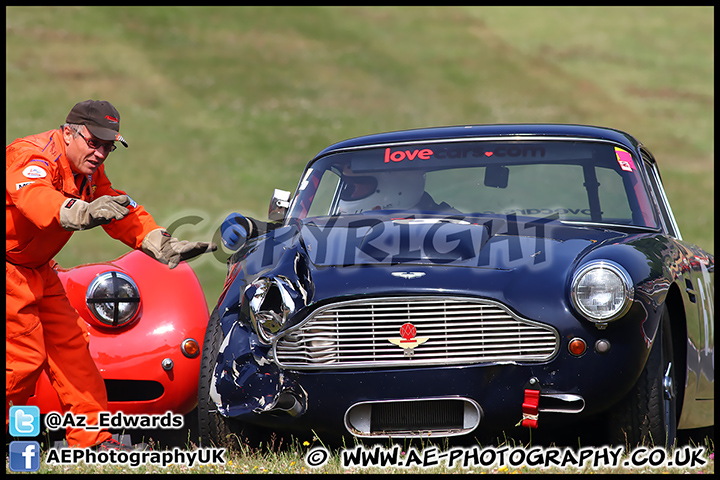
(77, 214)
(165, 248)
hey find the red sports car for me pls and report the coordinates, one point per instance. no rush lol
(146, 325)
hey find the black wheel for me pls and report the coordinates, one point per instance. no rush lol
(216, 430)
(648, 414)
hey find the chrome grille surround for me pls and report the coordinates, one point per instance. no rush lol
(414, 417)
(459, 331)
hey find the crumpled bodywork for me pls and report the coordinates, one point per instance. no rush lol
(254, 383)
(246, 378)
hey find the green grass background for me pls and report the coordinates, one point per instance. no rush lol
(221, 105)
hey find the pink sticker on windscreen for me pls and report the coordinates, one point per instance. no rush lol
(624, 160)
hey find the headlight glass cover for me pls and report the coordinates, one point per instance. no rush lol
(602, 291)
(113, 299)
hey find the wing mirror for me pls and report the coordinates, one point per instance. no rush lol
(279, 205)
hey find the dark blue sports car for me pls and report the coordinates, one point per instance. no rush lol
(460, 281)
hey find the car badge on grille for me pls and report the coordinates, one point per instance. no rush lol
(409, 341)
(408, 275)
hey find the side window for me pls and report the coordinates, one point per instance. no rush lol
(658, 191)
(323, 199)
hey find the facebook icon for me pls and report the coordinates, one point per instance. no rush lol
(24, 456)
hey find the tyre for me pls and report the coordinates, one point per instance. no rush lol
(216, 430)
(648, 414)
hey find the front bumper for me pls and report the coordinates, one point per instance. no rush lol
(254, 390)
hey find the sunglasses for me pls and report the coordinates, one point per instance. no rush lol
(110, 146)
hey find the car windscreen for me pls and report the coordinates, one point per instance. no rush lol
(574, 181)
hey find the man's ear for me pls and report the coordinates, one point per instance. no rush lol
(68, 134)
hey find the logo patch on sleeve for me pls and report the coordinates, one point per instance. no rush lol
(18, 186)
(34, 171)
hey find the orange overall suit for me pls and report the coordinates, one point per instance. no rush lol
(43, 330)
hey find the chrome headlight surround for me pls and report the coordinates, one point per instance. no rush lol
(272, 301)
(113, 299)
(601, 291)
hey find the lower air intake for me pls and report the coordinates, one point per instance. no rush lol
(438, 417)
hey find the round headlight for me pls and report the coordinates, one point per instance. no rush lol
(113, 299)
(602, 291)
(270, 303)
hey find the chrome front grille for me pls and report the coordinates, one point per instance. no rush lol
(367, 333)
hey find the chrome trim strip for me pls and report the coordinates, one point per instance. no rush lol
(673, 228)
(575, 403)
(495, 138)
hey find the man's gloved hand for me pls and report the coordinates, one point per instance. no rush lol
(234, 230)
(76, 214)
(167, 249)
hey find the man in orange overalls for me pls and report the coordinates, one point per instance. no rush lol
(56, 185)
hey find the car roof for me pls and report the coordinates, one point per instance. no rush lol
(479, 131)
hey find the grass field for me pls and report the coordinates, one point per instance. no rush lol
(220, 105)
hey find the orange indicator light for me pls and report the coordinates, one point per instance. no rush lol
(577, 346)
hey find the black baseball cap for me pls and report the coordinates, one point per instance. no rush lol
(100, 117)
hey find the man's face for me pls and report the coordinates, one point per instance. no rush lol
(84, 151)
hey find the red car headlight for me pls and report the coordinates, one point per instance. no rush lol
(113, 299)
